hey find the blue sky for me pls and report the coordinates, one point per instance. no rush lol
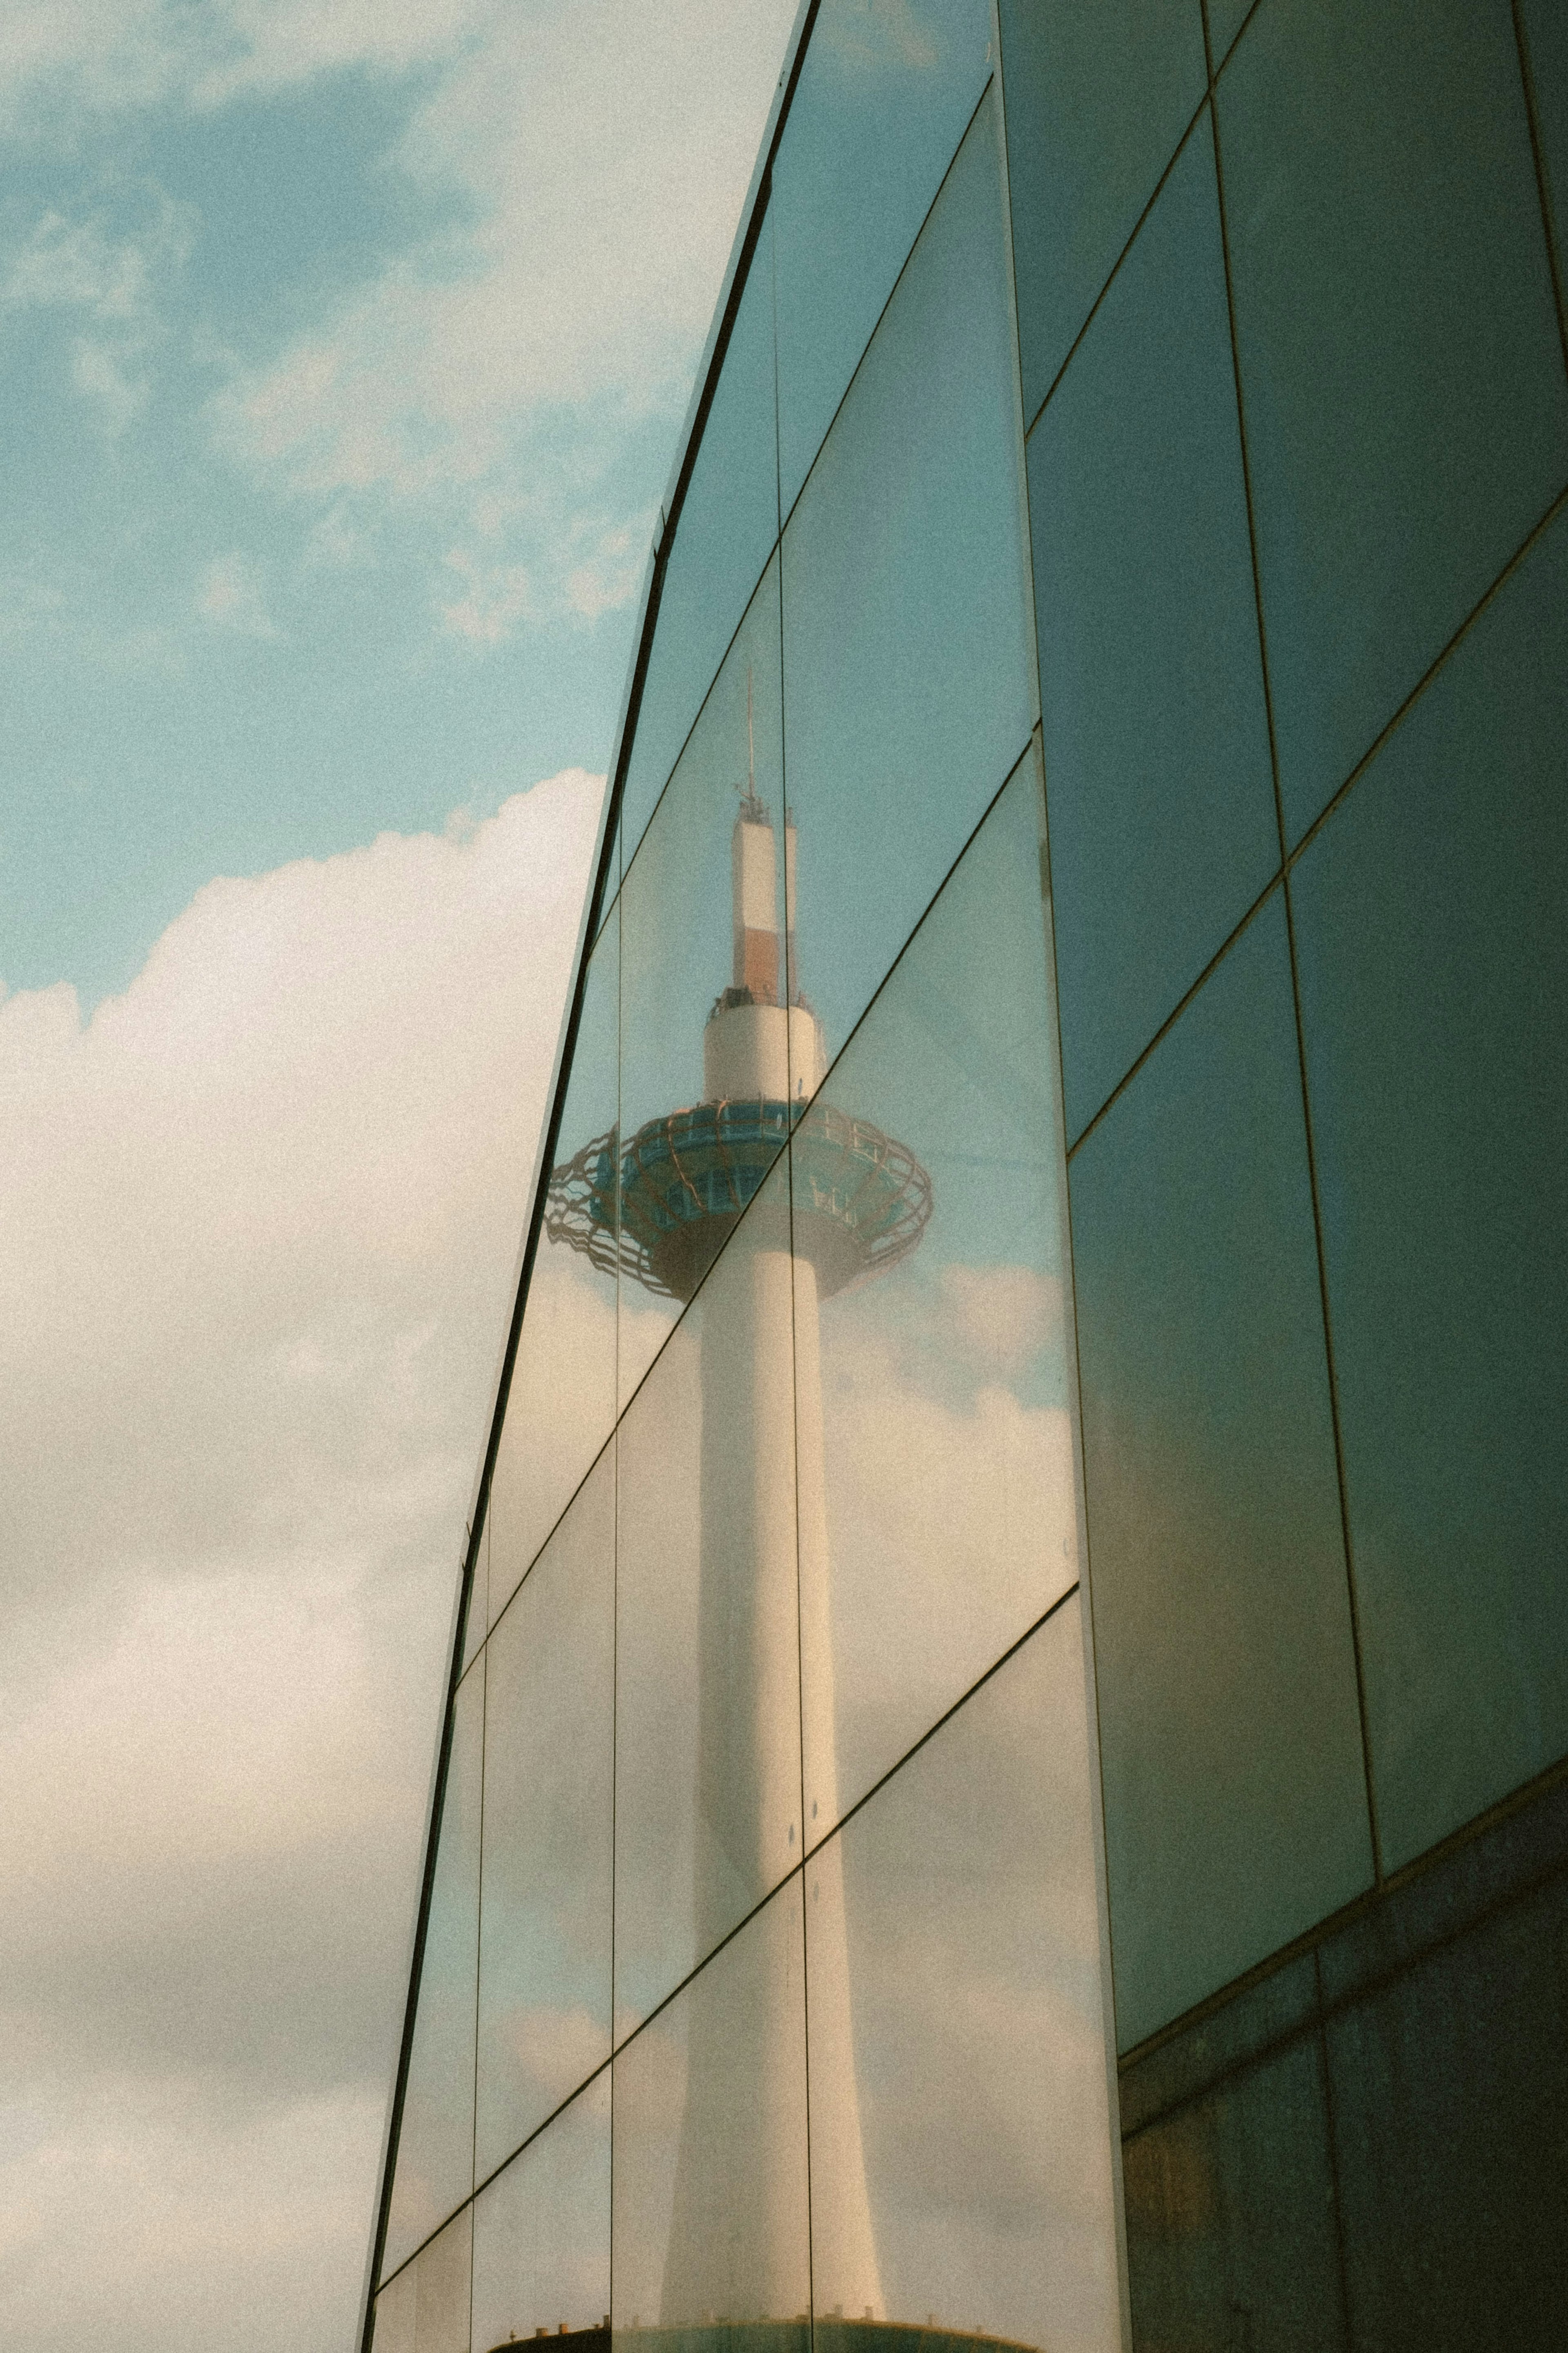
(343, 345)
(342, 353)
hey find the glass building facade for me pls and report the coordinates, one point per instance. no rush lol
(1005, 1769)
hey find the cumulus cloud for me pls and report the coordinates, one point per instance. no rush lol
(260, 1218)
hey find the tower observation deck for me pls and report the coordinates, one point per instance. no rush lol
(660, 1206)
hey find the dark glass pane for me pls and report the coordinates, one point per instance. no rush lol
(1449, 2091)
(709, 2143)
(723, 534)
(1230, 2217)
(1435, 997)
(426, 2309)
(1234, 1799)
(1405, 407)
(1545, 30)
(544, 1942)
(938, 1511)
(707, 1657)
(1097, 100)
(960, 2150)
(882, 101)
(909, 691)
(436, 2144)
(704, 1018)
(1225, 20)
(561, 1403)
(1161, 799)
(541, 2231)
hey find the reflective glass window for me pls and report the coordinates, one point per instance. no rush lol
(1097, 100)
(882, 101)
(426, 2309)
(938, 1516)
(1545, 41)
(1230, 2208)
(909, 679)
(562, 1402)
(707, 1657)
(704, 1018)
(961, 2128)
(1434, 965)
(1225, 20)
(436, 2142)
(545, 1936)
(724, 532)
(541, 2231)
(710, 2140)
(1161, 797)
(1405, 407)
(1235, 1796)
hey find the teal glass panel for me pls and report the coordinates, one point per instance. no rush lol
(961, 2170)
(883, 98)
(1226, 18)
(541, 2231)
(1405, 407)
(909, 679)
(709, 2137)
(435, 2143)
(723, 535)
(1235, 1796)
(938, 1506)
(426, 2309)
(1097, 99)
(1230, 2216)
(686, 942)
(1434, 969)
(1450, 2089)
(1157, 769)
(707, 1645)
(1544, 29)
(562, 1402)
(544, 1932)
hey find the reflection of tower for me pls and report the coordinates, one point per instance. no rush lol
(860, 1202)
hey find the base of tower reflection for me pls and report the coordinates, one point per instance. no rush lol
(830, 2333)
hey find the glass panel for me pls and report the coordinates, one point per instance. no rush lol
(544, 1937)
(1545, 28)
(1235, 1798)
(426, 2309)
(1161, 797)
(1435, 1001)
(1448, 2092)
(541, 2231)
(703, 1021)
(1405, 409)
(436, 2142)
(1097, 100)
(562, 1399)
(882, 101)
(909, 691)
(709, 2143)
(707, 1659)
(961, 2151)
(1230, 2217)
(723, 535)
(937, 1506)
(1225, 20)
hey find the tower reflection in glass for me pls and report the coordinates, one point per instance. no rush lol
(858, 1201)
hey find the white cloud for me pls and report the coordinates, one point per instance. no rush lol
(67, 264)
(230, 597)
(259, 1219)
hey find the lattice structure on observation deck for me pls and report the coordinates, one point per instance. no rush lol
(660, 1207)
